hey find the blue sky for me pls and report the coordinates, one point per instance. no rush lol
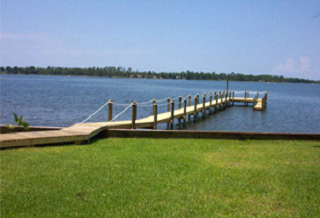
(280, 37)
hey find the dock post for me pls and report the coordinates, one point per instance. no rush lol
(172, 113)
(134, 114)
(245, 97)
(232, 97)
(189, 104)
(168, 100)
(266, 95)
(155, 114)
(154, 101)
(198, 101)
(180, 104)
(195, 109)
(184, 111)
(110, 103)
(210, 104)
(216, 101)
(204, 105)
(219, 97)
(224, 99)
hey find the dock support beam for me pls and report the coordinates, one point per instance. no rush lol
(168, 101)
(180, 104)
(184, 111)
(216, 102)
(232, 97)
(134, 114)
(204, 105)
(172, 113)
(189, 104)
(198, 100)
(110, 103)
(155, 114)
(195, 109)
(210, 100)
(220, 101)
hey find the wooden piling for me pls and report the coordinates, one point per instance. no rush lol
(110, 103)
(204, 105)
(184, 111)
(198, 100)
(245, 96)
(189, 104)
(266, 95)
(154, 101)
(168, 109)
(216, 101)
(210, 100)
(172, 113)
(195, 109)
(180, 104)
(220, 100)
(232, 97)
(134, 114)
(155, 114)
(224, 99)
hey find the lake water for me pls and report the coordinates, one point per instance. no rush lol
(63, 101)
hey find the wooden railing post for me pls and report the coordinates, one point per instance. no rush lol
(266, 94)
(219, 100)
(168, 109)
(245, 97)
(210, 100)
(224, 99)
(216, 101)
(155, 114)
(227, 95)
(232, 97)
(198, 101)
(110, 103)
(204, 105)
(172, 113)
(184, 111)
(189, 104)
(154, 102)
(134, 114)
(195, 109)
(265, 100)
(180, 105)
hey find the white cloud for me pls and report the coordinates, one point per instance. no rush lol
(305, 63)
(301, 68)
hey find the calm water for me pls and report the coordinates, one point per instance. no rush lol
(64, 101)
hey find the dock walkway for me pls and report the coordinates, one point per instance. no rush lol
(85, 131)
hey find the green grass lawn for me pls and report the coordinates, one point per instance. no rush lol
(163, 178)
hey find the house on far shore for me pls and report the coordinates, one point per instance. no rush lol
(154, 77)
(178, 77)
(133, 76)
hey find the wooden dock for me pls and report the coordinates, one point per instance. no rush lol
(83, 132)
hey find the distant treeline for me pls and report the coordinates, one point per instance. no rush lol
(121, 72)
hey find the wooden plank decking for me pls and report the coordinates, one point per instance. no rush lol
(85, 131)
